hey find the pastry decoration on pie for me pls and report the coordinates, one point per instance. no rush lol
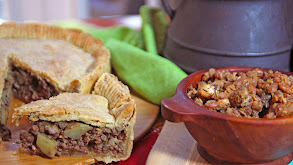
(98, 125)
(38, 61)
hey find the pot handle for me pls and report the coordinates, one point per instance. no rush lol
(174, 110)
(168, 9)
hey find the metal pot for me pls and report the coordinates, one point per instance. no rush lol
(219, 33)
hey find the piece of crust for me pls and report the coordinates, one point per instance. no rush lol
(89, 44)
(5, 94)
(88, 108)
(5, 91)
(4, 69)
(120, 103)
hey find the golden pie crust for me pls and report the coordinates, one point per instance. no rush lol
(109, 106)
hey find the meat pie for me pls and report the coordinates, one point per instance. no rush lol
(38, 61)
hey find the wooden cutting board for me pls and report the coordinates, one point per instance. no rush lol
(175, 146)
(146, 116)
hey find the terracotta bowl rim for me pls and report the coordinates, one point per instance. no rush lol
(181, 91)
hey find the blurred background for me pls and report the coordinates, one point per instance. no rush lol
(46, 10)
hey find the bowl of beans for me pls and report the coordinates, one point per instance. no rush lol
(236, 114)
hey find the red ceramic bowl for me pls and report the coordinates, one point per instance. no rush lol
(228, 138)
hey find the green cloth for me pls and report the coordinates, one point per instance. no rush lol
(154, 27)
(148, 31)
(153, 77)
(77, 25)
(121, 33)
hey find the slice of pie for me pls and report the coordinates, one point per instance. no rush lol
(38, 61)
(98, 125)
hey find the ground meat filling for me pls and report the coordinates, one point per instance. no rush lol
(28, 87)
(5, 107)
(5, 133)
(97, 139)
(255, 94)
